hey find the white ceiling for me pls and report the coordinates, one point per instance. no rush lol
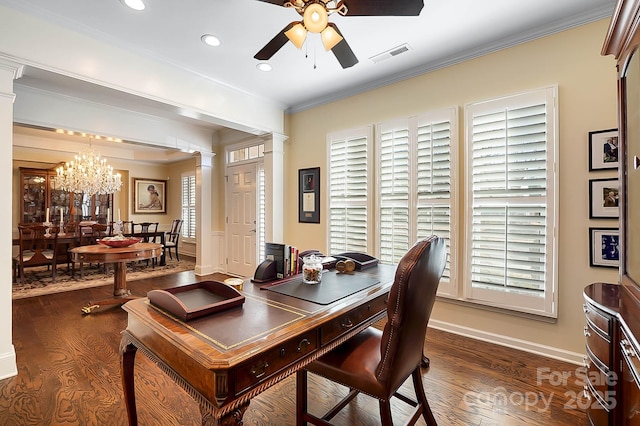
(446, 32)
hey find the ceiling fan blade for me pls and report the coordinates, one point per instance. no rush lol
(343, 52)
(383, 7)
(276, 2)
(275, 44)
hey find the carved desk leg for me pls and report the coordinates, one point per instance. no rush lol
(127, 364)
(233, 418)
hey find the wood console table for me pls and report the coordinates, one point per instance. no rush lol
(119, 256)
(225, 359)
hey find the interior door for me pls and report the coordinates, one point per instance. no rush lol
(241, 220)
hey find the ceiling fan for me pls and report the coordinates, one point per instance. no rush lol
(315, 19)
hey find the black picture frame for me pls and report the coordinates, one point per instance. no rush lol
(604, 247)
(309, 195)
(604, 198)
(603, 150)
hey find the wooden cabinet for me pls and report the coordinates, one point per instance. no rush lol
(601, 359)
(39, 193)
(616, 307)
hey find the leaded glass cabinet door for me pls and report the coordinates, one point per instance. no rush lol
(34, 195)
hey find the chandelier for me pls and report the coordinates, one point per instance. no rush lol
(88, 173)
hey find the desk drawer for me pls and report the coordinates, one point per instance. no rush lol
(345, 322)
(256, 370)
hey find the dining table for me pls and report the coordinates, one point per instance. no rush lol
(118, 256)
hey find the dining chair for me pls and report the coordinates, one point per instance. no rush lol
(173, 238)
(89, 234)
(377, 362)
(146, 227)
(35, 249)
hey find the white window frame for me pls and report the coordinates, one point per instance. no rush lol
(546, 303)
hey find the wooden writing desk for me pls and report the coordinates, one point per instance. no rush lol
(225, 359)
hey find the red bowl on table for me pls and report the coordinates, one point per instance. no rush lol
(120, 242)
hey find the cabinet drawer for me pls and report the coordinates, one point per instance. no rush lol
(598, 320)
(596, 413)
(256, 370)
(343, 323)
(600, 385)
(598, 348)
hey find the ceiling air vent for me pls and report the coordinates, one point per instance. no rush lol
(391, 53)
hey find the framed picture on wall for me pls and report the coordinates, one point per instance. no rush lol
(149, 196)
(603, 198)
(605, 247)
(309, 195)
(603, 149)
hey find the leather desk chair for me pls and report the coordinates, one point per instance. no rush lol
(378, 362)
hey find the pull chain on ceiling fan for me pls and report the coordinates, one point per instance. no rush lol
(315, 19)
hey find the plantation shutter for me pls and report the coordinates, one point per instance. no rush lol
(394, 187)
(189, 206)
(512, 199)
(348, 191)
(414, 163)
(434, 187)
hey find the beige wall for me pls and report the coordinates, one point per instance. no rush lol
(587, 101)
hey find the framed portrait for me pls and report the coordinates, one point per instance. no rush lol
(604, 196)
(149, 196)
(309, 195)
(603, 149)
(605, 247)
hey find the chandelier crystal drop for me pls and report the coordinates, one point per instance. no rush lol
(88, 173)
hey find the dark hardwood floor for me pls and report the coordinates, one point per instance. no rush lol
(69, 374)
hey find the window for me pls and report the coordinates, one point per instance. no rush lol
(416, 159)
(189, 206)
(261, 213)
(349, 186)
(511, 220)
(245, 153)
(507, 252)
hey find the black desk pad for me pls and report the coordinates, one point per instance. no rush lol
(332, 287)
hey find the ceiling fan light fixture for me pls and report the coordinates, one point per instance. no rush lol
(315, 17)
(330, 38)
(297, 34)
(134, 4)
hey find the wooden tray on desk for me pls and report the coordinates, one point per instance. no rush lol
(196, 300)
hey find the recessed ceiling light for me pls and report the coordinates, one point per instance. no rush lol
(263, 66)
(134, 4)
(210, 40)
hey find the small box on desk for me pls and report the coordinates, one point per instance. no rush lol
(361, 260)
(196, 300)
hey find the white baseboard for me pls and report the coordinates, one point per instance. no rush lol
(510, 342)
(8, 366)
